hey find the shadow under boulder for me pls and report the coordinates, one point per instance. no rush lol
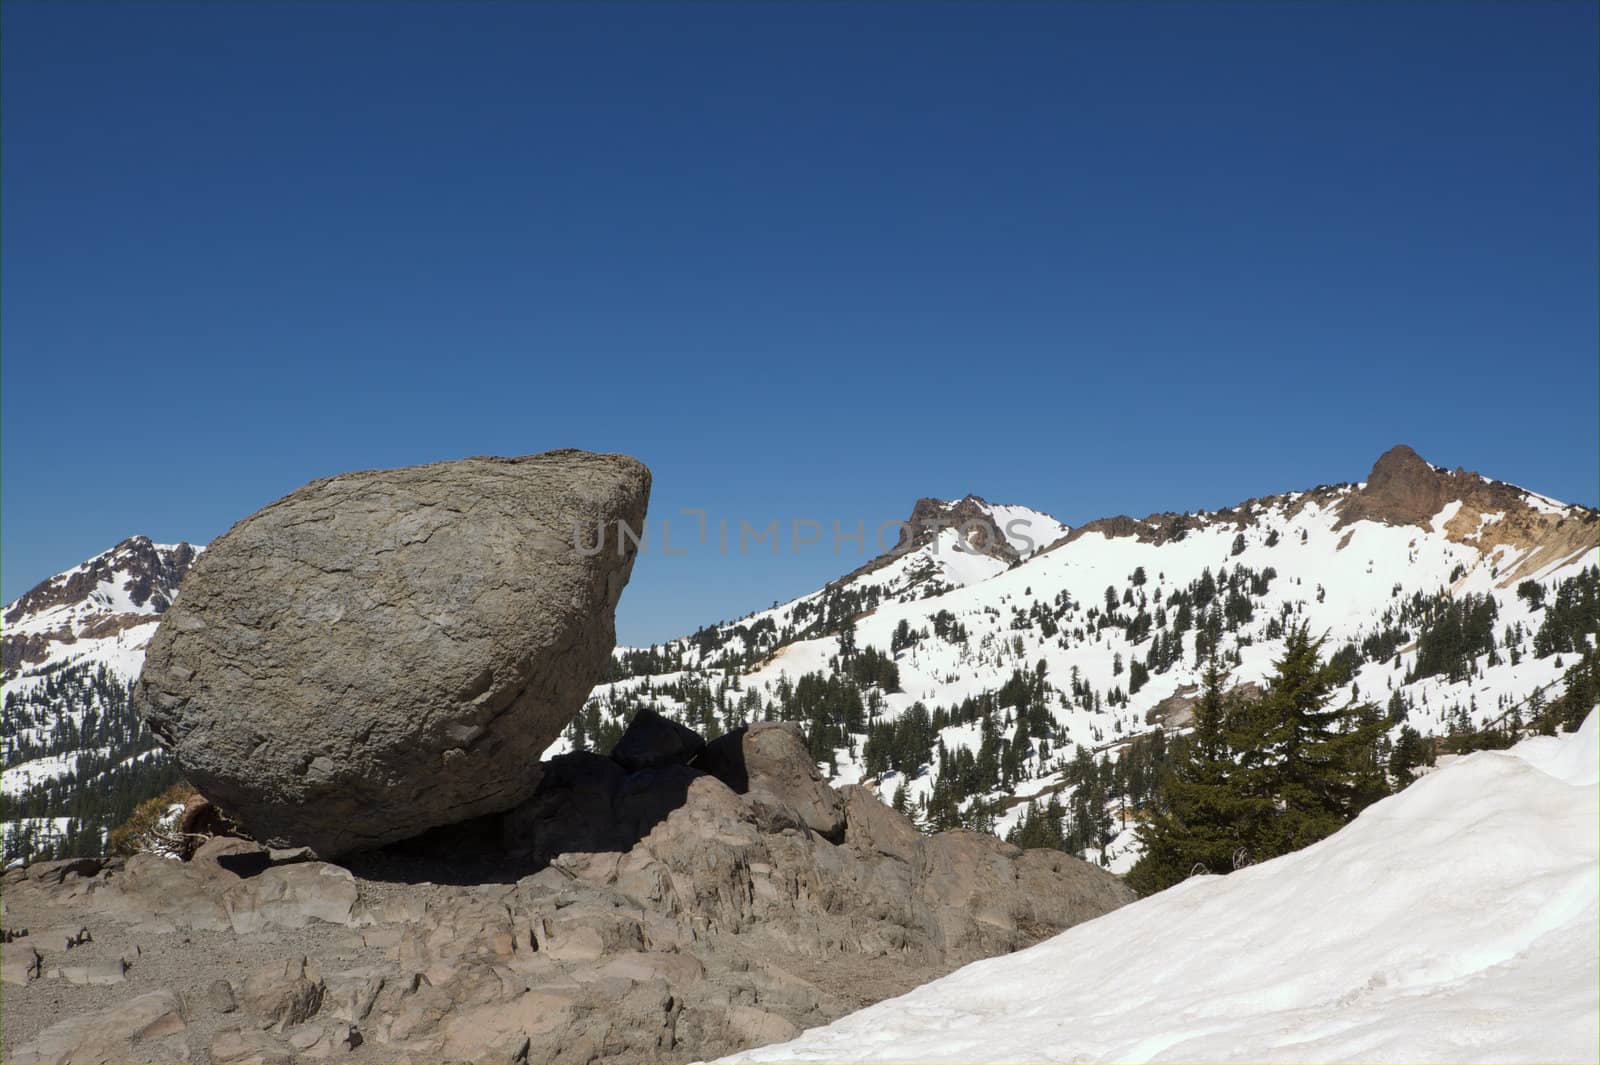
(590, 803)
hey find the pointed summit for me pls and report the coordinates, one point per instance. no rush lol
(1403, 489)
(1399, 463)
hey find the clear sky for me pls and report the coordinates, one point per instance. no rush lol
(806, 261)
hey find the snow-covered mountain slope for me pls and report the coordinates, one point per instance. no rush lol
(947, 544)
(105, 608)
(72, 646)
(1413, 576)
(1454, 921)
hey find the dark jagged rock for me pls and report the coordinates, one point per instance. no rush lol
(652, 740)
(147, 574)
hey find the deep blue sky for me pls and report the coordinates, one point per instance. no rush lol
(806, 261)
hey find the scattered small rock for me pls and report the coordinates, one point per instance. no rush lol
(219, 995)
(282, 995)
(99, 973)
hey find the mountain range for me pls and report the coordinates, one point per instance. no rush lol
(996, 660)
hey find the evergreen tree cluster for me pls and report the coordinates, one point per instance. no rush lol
(1460, 630)
(870, 667)
(1570, 616)
(1263, 777)
(83, 714)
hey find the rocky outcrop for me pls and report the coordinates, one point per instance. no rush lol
(972, 519)
(383, 652)
(145, 1028)
(715, 906)
(1404, 489)
(1177, 710)
(970, 516)
(652, 740)
(769, 764)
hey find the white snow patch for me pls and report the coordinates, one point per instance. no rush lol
(1455, 921)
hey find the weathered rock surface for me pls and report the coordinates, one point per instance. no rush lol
(769, 761)
(383, 652)
(706, 913)
(279, 996)
(145, 1028)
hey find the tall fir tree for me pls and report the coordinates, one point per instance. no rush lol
(1199, 831)
(1308, 766)
(1406, 756)
(1264, 777)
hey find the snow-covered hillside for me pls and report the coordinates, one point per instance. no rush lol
(1454, 921)
(1433, 587)
(72, 646)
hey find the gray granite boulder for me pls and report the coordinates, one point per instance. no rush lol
(383, 652)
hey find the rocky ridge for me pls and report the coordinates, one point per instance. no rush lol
(715, 897)
(1078, 653)
(1402, 489)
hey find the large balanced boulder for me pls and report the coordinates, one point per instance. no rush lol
(383, 652)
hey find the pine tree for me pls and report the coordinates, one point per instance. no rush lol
(1199, 831)
(1406, 756)
(1308, 762)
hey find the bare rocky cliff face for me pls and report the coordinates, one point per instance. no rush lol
(710, 898)
(1403, 489)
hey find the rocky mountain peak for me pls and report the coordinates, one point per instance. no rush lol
(971, 516)
(1404, 489)
(1401, 464)
(148, 573)
(124, 587)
